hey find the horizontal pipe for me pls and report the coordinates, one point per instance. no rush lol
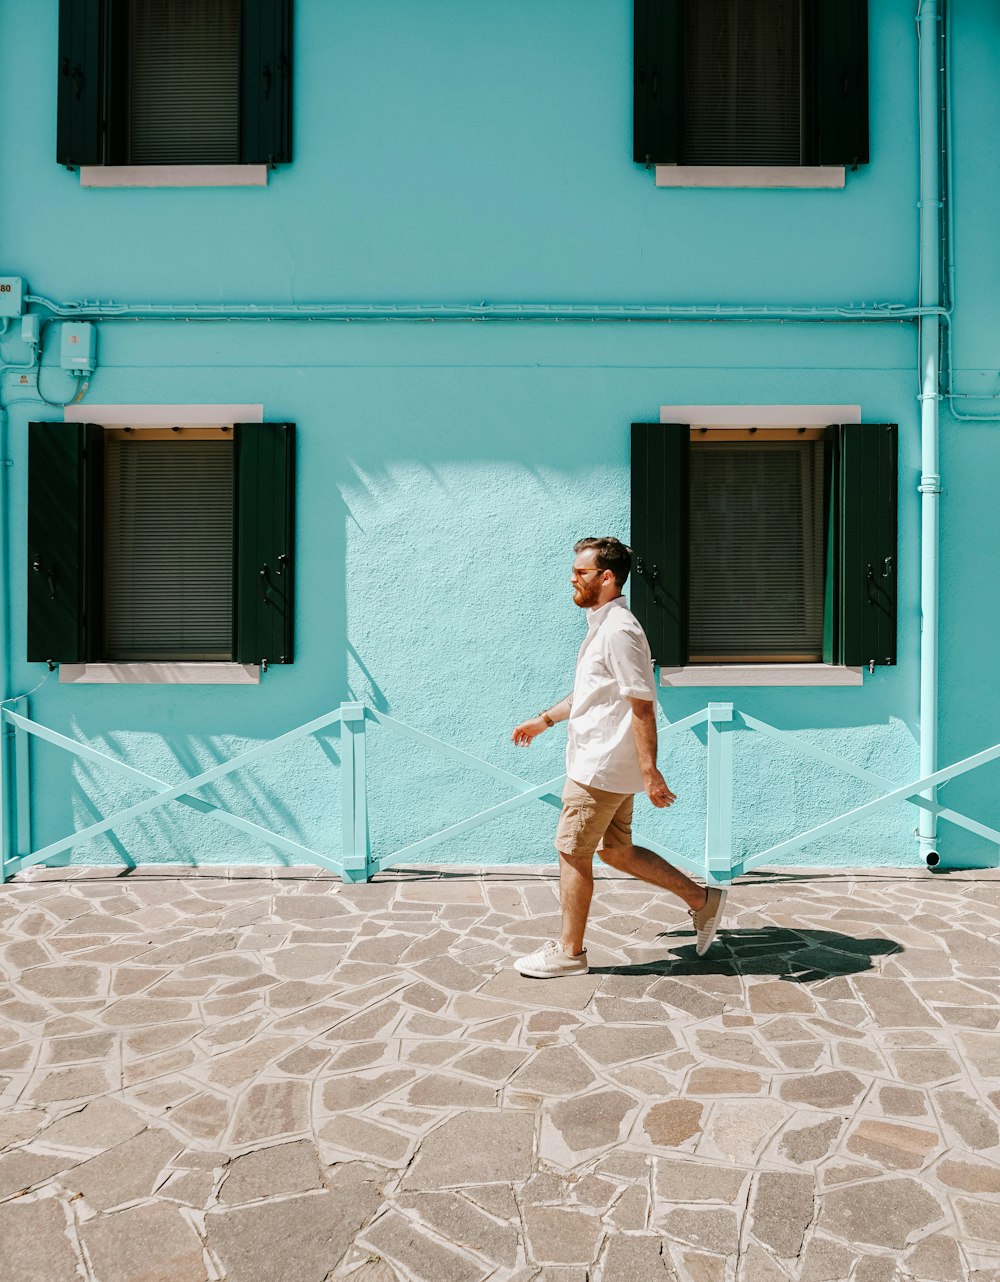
(473, 311)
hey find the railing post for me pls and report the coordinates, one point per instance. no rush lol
(15, 792)
(7, 858)
(354, 794)
(719, 820)
(22, 788)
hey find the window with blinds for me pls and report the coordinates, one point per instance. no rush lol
(174, 82)
(743, 82)
(756, 551)
(168, 588)
(184, 82)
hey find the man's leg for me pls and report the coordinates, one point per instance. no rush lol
(706, 903)
(639, 862)
(576, 889)
(585, 816)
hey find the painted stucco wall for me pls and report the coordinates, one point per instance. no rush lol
(448, 152)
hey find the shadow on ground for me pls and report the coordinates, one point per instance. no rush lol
(798, 956)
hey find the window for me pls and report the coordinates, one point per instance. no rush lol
(174, 82)
(160, 544)
(751, 82)
(168, 550)
(757, 546)
(181, 88)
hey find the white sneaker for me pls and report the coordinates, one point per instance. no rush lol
(706, 920)
(551, 961)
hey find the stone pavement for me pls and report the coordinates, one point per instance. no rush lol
(262, 1075)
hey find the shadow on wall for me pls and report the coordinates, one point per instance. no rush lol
(797, 956)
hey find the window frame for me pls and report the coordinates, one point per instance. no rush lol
(177, 438)
(754, 436)
(836, 100)
(741, 418)
(156, 418)
(91, 62)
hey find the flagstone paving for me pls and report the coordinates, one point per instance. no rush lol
(263, 1075)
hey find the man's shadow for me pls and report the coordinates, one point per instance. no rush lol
(797, 956)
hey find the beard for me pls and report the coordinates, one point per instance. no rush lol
(586, 595)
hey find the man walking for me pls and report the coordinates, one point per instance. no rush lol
(610, 755)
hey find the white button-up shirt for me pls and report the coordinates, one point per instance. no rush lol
(614, 665)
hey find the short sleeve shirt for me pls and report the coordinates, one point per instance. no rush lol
(614, 664)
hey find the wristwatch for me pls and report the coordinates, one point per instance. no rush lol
(546, 718)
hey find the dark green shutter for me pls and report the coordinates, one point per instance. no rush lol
(860, 621)
(266, 83)
(837, 107)
(658, 88)
(659, 593)
(80, 113)
(831, 551)
(65, 542)
(264, 561)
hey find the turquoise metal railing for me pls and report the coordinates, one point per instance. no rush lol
(355, 860)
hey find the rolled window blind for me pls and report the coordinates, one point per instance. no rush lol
(756, 551)
(184, 76)
(169, 559)
(742, 82)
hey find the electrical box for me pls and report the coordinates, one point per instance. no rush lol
(78, 348)
(31, 328)
(11, 295)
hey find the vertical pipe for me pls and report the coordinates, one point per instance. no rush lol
(6, 763)
(930, 396)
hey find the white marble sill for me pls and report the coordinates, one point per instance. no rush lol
(173, 175)
(803, 177)
(228, 674)
(762, 674)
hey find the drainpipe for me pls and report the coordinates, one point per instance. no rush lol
(6, 779)
(5, 657)
(930, 396)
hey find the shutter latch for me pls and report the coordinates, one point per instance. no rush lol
(50, 576)
(270, 595)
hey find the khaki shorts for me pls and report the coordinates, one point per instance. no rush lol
(592, 818)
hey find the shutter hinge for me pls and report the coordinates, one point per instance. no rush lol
(871, 667)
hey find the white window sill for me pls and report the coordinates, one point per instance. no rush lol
(174, 415)
(800, 176)
(173, 175)
(227, 674)
(762, 674)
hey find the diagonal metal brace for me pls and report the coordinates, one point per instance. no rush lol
(178, 792)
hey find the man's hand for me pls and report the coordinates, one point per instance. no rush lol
(528, 730)
(657, 790)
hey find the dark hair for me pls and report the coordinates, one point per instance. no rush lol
(612, 555)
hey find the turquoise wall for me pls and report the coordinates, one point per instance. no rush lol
(455, 153)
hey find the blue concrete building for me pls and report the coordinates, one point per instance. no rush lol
(453, 253)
